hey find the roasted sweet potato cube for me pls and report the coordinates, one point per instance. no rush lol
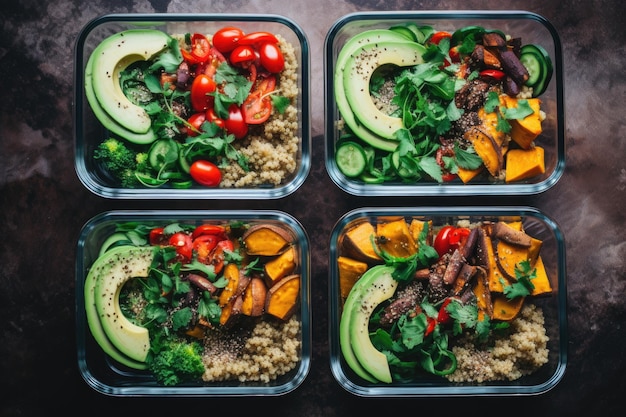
(282, 299)
(281, 266)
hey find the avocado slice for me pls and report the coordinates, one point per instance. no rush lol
(374, 287)
(359, 69)
(352, 303)
(103, 284)
(105, 119)
(353, 45)
(112, 56)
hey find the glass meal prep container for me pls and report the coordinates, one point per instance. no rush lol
(357, 275)
(264, 160)
(115, 370)
(349, 56)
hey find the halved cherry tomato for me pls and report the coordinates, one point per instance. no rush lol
(227, 38)
(183, 244)
(243, 56)
(201, 89)
(218, 255)
(188, 57)
(256, 108)
(431, 323)
(448, 176)
(252, 73)
(208, 229)
(212, 116)
(235, 124)
(205, 173)
(492, 73)
(196, 121)
(459, 236)
(256, 38)
(436, 37)
(443, 316)
(271, 57)
(258, 105)
(200, 47)
(203, 245)
(211, 64)
(454, 54)
(157, 237)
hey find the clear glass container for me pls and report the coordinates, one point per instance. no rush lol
(553, 304)
(89, 131)
(531, 27)
(108, 376)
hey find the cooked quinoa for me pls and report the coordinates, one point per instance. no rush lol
(271, 148)
(521, 351)
(264, 353)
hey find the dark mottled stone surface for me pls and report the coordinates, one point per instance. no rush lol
(43, 206)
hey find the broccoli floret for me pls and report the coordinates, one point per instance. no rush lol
(176, 360)
(120, 161)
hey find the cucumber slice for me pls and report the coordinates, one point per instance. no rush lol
(404, 31)
(162, 152)
(351, 159)
(476, 32)
(539, 65)
(405, 167)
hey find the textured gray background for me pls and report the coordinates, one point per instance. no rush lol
(43, 206)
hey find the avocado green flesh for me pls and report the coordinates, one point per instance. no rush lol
(118, 337)
(105, 119)
(110, 58)
(346, 320)
(357, 74)
(375, 286)
(350, 48)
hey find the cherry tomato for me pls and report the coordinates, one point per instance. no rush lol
(256, 38)
(442, 240)
(209, 229)
(243, 56)
(205, 173)
(183, 244)
(157, 237)
(212, 116)
(235, 124)
(271, 57)
(227, 38)
(201, 89)
(200, 47)
(436, 37)
(448, 176)
(196, 121)
(258, 105)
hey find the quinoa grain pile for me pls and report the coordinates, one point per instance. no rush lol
(271, 148)
(264, 353)
(519, 352)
